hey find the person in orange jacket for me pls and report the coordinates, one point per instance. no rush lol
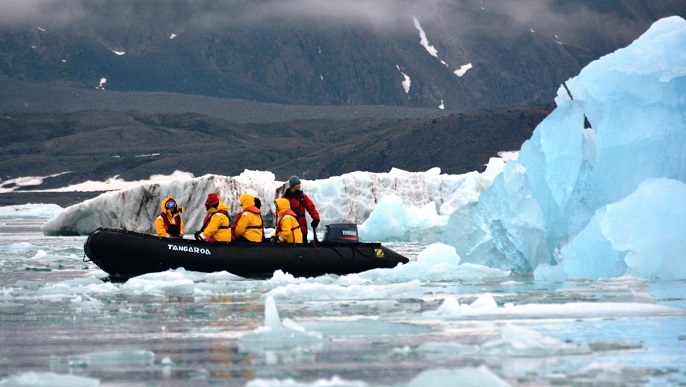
(287, 227)
(248, 225)
(217, 225)
(169, 223)
(301, 203)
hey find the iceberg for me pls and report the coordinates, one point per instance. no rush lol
(349, 198)
(600, 188)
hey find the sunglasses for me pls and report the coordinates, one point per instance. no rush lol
(170, 204)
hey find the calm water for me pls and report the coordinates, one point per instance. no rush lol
(179, 328)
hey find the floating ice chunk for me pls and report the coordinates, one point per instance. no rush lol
(276, 334)
(467, 376)
(526, 342)
(438, 262)
(22, 246)
(450, 306)
(485, 306)
(113, 358)
(335, 381)
(316, 291)
(48, 379)
(390, 219)
(281, 278)
(75, 287)
(484, 302)
(606, 373)
(28, 211)
(177, 281)
(223, 276)
(447, 348)
(548, 273)
(365, 327)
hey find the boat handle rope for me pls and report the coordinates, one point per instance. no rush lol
(316, 249)
(315, 241)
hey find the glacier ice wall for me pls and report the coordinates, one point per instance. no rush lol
(616, 140)
(349, 198)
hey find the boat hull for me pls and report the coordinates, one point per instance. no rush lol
(124, 253)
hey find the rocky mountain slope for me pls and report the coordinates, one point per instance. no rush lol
(461, 55)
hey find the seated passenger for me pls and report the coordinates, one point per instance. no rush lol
(217, 225)
(287, 228)
(169, 223)
(248, 224)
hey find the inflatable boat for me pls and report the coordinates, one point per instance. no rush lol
(124, 254)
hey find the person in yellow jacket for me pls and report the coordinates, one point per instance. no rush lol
(248, 226)
(287, 226)
(217, 225)
(169, 223)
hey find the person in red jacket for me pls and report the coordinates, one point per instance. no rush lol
(301, 204)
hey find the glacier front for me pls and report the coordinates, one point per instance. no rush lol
(599, 190)
(350, 198)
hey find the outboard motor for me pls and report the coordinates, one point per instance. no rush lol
(341, 232)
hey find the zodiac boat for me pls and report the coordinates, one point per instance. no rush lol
(125, 254)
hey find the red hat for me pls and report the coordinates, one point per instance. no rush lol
(212, 199)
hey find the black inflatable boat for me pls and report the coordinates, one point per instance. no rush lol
(124, 254)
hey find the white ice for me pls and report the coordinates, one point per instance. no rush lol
(349, 198)
(48, 379)
(486, 306)
(24, 211)
(278, 334)
(467, 376)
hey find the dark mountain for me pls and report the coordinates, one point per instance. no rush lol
(92, 145)
(320, 52)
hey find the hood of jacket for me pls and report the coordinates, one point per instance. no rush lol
(220, 206)
(282, 205)
(163, 204)
(247, 201)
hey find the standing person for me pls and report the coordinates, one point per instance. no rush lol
(169, 223)
(248, 225)
(300, 203)
(287, 227)
(217, 225)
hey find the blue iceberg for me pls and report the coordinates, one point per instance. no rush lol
(599, 189)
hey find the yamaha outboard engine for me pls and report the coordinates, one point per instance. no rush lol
(341, 232)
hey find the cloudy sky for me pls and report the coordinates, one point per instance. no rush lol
(15, 12)
(545, 16)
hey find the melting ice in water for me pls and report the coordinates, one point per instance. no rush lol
(277, 334)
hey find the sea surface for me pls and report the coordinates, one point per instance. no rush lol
(61, 323)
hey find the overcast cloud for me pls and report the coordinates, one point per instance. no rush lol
(380, 14)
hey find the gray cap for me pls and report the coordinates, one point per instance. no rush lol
(293, 180)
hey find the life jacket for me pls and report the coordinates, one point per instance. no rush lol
(209, 216)
(174, 229)
(278, 222)
(255, 211)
